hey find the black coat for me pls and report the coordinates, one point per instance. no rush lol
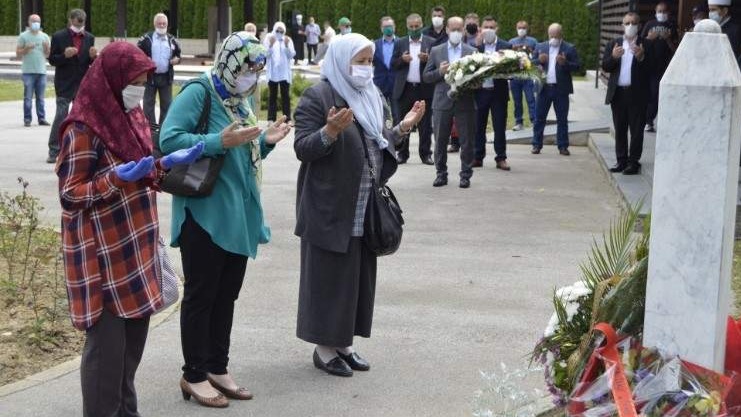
(640, 71)
(402, 68)
(68, 72)
(733, 30)
(329, 177)
(145, 44)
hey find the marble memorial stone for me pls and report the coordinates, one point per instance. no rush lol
(694, 200)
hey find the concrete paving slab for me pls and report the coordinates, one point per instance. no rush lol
(469, 288)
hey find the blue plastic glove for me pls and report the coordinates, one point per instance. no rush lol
(134, 171)
(183, 156)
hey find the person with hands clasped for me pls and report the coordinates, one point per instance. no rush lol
(107, 183)
(336, 121)
(219, 232)
(279, 59)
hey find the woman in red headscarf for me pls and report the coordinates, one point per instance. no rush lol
(107, 179)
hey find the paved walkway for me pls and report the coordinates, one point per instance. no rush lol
(469, 289)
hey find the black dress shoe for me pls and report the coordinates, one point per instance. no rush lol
(535, 150)
(440, 181)
(428, 161)
(477, 163)
(334, 367)
(618, 167)
(43, 122)
(465, 183)
(402, 161)
(632, 169)
(454, 148)
(355, 361)
(564, 152)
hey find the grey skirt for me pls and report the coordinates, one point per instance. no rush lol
(336, 294)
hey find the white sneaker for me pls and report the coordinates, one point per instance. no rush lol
(517, 127)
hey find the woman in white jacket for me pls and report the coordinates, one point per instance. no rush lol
(279, 72)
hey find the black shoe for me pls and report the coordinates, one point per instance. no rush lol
(334, 367)
(440, 181)
(454, 148)
(51, 160)
(401, 161)
(535, 150)
(43, 122)
(564, 152)
(355, 361)
(619, 167)
(27, 124)
(632, 169)
(650, 128)
(428, 161)
(465, 183)
(477, 163)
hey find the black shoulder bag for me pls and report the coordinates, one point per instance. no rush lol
(382, 226)
(196, 179)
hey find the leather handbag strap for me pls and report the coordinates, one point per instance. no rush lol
(367, 155)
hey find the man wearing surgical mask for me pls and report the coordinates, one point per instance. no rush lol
(661, 37)
(437, 30)
(33, 48)
(720, 11)
(383, 73)
(492, 99)
(445, 108)
(524, 43)
(627, 93)
(72, 52)
(164, 50)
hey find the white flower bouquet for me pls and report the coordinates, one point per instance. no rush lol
(470, 72)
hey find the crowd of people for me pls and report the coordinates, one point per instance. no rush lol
(356, 120)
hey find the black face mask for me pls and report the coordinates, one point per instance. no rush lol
(472, 28)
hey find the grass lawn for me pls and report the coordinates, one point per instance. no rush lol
(11, 90)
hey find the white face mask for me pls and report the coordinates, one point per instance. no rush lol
(346, 30)
(361, 75)
(715, 16)
(631, 30)
(437, 21)
(132, 96)
(554, 42)
(455, 37)
(35, 26)
(76, 29)
(246, 82)
(490, 35)
(522, 32)
(278, 36)
(161, 31)
(662, 17)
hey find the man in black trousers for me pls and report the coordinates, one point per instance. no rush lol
(627, 93)
(409, 60)
(492, 99)
(661, 34)
(72, 52)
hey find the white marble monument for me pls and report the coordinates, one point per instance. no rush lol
(694, 200)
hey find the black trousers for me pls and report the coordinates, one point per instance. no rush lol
(628, 115)
(412, 93)
(61, 114)
(160, 85)
(311, 50)
(285, 97)
(112, 352)
(653, 99)
(488, 102)
(213, 279)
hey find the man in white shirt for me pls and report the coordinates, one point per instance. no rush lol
(627, 94)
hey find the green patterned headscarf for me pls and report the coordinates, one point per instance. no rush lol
(237, 50)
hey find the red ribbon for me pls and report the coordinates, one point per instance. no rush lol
(620, 388)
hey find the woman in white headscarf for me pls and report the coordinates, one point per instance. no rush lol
(338, 272)
(280, 56)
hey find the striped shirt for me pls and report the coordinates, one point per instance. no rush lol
(109, 233)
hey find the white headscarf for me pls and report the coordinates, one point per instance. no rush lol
(277, 48)
(366, 103)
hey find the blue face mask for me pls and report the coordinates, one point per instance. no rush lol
(35, 26)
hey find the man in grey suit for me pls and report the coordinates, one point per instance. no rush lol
(444, 108)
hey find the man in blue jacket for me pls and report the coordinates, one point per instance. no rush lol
(558, 59)
(492, 99)
(383, 72)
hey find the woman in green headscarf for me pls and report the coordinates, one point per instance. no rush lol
(214, 246)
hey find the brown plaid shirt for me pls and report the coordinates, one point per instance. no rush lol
(109, 233)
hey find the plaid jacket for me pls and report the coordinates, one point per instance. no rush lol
(109, 233)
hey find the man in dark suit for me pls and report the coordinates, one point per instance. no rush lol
(164, 50)
(71, 53)
(558, 59)
(720, 11)
(661, 34)
(383, 72)
(410, 57)
(444, 108)
(436, 31)
(627, 93)
(492, 99)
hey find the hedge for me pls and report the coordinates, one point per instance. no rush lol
(580, 24)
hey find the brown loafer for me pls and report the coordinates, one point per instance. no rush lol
(218, 401)
(235, 394)
(503, 165)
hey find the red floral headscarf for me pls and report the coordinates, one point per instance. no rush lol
(99, 102)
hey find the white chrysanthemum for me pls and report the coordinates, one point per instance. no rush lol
(459, 75)
(510, 54)
(472, 68)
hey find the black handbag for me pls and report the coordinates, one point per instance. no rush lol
(198, 178)
(382, 226)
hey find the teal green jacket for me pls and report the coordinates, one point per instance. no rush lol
(232, 215)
